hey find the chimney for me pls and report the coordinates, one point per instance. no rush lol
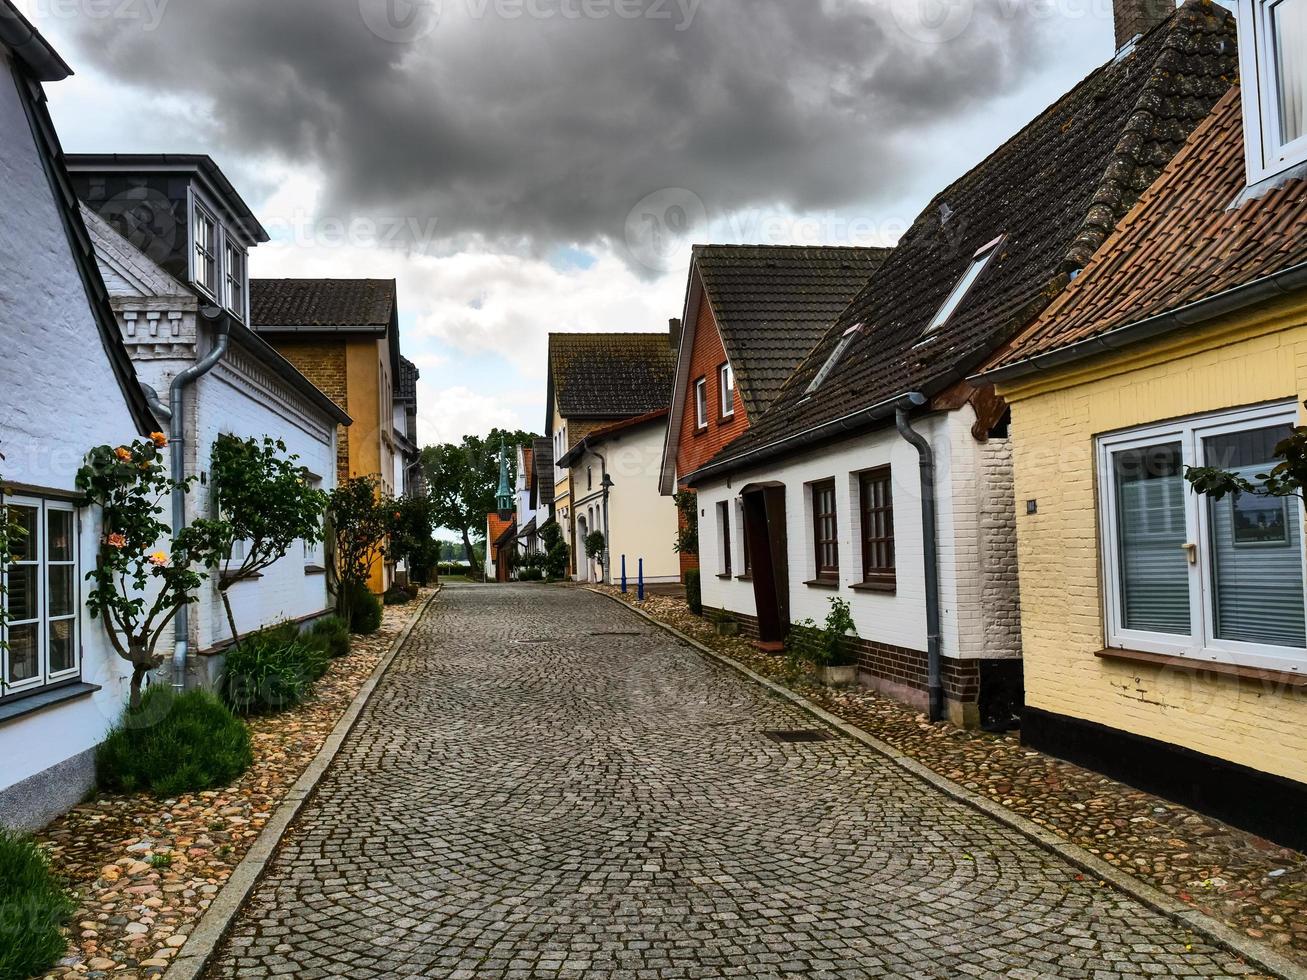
(1135, 17)
(674, 332)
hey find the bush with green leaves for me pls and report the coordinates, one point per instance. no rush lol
(172, 744)
(827, 645)
(334, 633)
(693, 592)
(33, 905)
(395, 596)
(557, 551)
(532, 567)
(363, 608)
(272, 670)
(687, 525)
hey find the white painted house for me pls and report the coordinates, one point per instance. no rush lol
(250, 392)
(66, 385)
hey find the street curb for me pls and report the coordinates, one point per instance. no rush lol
(203, 941)
(1213, 930)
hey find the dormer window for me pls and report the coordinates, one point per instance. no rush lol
(978, 263)
(1273, 53)
(846, 339)
(237, 277)
(204, 237)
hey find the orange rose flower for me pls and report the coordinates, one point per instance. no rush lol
(123, 453)
(116, 540)
(159, 439)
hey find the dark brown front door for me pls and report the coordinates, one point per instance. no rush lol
(764, 527)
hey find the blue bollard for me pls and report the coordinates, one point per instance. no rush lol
(640, 582)
(623, 574)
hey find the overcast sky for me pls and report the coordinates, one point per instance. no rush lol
(522, 166)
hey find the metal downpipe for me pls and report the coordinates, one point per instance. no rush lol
(930, 552)
(177, 447)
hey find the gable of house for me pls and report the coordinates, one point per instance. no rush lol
(1038, 208)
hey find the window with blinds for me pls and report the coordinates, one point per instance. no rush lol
(877, 507)
(825, 531)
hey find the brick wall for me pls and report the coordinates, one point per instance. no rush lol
(698, 446)
(322, 361)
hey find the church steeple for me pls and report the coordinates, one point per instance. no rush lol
(504, 495)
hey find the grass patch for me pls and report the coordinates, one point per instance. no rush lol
(33, 905)
(273, 670)
(333, 631)
(174, 744)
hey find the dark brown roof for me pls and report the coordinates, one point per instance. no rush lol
(543, 454)
(279, 304)
(610, 375)
(773, 303)
(1055, 190)
(1182, 243)
(406, 388)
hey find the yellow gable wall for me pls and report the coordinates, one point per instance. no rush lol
(1231, 363)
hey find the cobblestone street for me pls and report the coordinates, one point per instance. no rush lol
(546, 786)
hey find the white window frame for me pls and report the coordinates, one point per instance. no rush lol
(231, 246)
(963, 287)
(726, 391)
(199, 209)
(44, 676)
(1266, 157)
(725, 539)
(701, 404)
(314, 551)
(1201, 643)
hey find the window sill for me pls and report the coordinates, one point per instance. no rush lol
(725, 419)
(225, 582)
(1286, 677)
(886, 587)
(725, 576)
(700, 430)
(822, 583)
(28, 704)
(744, 578)
(314, 570)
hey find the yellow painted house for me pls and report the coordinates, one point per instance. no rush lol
(1165, 632)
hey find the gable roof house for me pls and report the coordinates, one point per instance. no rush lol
(67, 385)
(409, 481)
(1165, 631)
(879, 474)
(752, 313)
(607, 396)
(343, 335)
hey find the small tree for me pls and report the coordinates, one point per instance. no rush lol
(360, 519)
(556, 550)
(266, 503)
(130, 484)
(412, 525)
(687, 528)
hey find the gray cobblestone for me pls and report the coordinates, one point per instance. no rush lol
(543, 786)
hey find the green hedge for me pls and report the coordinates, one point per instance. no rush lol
(174, 744)
(364, 610)
(693, 595)
(33, 906)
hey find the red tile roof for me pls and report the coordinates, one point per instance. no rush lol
(1181, 244)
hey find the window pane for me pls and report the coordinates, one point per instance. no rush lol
(23, 657)
(59, 544)
(22, 592)
(23, 534)
(62, 654)
(1255, 552)
(1290, 26)
(1154, 568)
(60, 597)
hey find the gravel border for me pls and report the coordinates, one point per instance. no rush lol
(1217, 932)
(209, 931)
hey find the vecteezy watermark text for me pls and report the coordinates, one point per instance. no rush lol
(680, 12)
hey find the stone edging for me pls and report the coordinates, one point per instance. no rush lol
(1212, 929)
(203, 941)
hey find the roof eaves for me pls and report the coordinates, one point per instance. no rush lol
(36, 54)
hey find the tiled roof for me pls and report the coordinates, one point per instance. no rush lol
(773, 303)
(326, 303)
(496, 528)
(611, 375)
(599, 435)
(406, 388)
(543, 454)
(1181, 244)
(1055, 190)
(528, 463)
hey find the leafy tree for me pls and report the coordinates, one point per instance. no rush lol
(687, 529)
(1286, 479)
(360, 517)
(413, 521)
(462, 478)
(130, 485)
(266, 503)
(556, 550)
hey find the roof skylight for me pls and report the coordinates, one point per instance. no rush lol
(845, 340)
(959, 293)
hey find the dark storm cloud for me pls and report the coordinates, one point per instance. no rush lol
(530, 122)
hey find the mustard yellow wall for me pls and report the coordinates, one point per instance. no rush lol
(371, 448)
(1235, 362)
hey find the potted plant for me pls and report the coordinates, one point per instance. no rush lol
(828, 649)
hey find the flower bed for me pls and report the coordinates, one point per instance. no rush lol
(144, 869)
(1249, 883)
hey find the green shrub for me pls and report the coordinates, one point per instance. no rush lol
(396, 597)
(532, 567)
(693, 595)
(174, 744)
(364, 610)
(557, 552)
(32, 908)
(272, 670)
(335, 632)
(826, 645)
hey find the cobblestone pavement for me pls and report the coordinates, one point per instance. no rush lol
(546, 786)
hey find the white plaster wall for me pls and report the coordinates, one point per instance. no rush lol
(965, 517)
(60, 397)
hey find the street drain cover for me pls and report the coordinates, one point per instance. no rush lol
(798, 735)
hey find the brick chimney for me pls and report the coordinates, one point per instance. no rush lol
(1135, 17)
(674, 332)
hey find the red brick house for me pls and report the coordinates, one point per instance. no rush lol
(752, 313)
